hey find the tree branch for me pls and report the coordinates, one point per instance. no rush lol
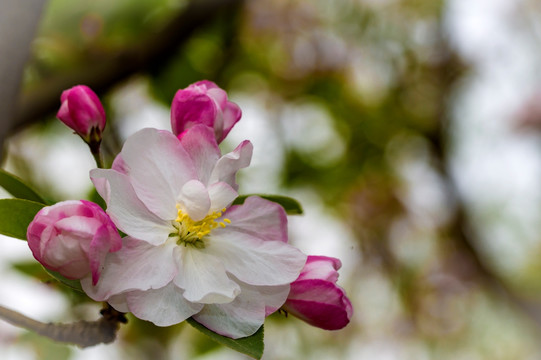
(81, 333)
(18, 22)
(101, 74)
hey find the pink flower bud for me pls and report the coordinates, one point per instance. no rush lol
(73, 238)
(315, 298)
(82, 111)
(204, 103)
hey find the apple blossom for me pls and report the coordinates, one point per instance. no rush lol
(204, 103)
(83, 112)
(73, 238)
(188, 251)
(315, 297)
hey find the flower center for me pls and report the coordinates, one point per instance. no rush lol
(190, 232)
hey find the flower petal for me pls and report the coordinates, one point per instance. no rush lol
(259, 218)
(275, 297)
(190, 107)
(99, 247)
(194, 198)
(119, 302)
(244, 315)
(85, 108)
(158, 167)
(321, 267)
(324, 316)
(217, 94)
(221, 195)
(138, 265)
(227, 166)
(203, 277)
(320, 303)
(231, 115)
(126, 210)
(255, 261)
(164, 306)
(119, 165)
(200, 144)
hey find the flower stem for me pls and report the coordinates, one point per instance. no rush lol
(98, 158)
(96, 153)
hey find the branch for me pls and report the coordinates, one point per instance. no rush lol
(103, 73)
(81, 333)
(18, 22)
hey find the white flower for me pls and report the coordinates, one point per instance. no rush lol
(188, 252)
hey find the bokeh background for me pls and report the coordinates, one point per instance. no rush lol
(409, 131)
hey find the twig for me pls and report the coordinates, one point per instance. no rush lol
(80, 333)
(103, 73)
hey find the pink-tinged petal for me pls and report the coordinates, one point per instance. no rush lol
(119, 165)
(74, 269)
(65, 237)
(64, 115)
(92, 209)
(194, 199)
(228, 115)
(83, 112)
(102, 187)
(321, 267)
(319, 303)
(255, 261)
(244, 315)
(158, 167)
(203, 103)
(67, 252)
(126, 210)
(205, 83)
(236, 320)
(137, 266)
(218, 95)
(78, 226)
(201, 145)
(85, 108)
(190, 107)
(227, 166)
(99, 248)
(203, 277)
(119, 302)
(321, 315)
(221, 195)
(274, 296)
(164, 306)
(259, 218)
(231, 115)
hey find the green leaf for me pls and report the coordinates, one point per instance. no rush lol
(16, 215)
(16, 187)
(251, 345)
(290, 205)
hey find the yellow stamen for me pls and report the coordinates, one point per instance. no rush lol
(192, 232)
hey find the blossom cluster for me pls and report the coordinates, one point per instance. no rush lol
(189, 250)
